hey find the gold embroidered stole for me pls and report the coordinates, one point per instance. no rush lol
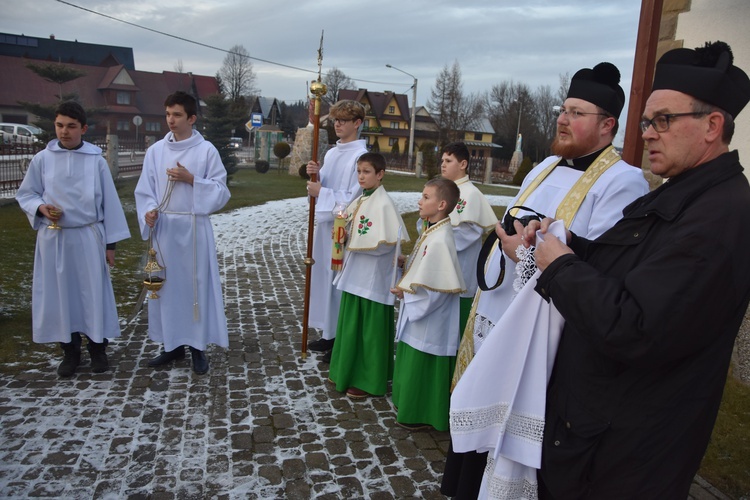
(566, 210)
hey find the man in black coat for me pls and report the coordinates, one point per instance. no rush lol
(652, 307)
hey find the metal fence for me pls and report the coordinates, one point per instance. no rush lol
(14, 160)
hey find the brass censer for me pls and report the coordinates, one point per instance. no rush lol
(156, 274)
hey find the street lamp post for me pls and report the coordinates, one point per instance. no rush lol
(413, 114)
(520, 110)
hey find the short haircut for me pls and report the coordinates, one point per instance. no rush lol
(185, 100)
(728, 131)
(347, 110)
(375, 159)
(73, 110)
(606, 114)
(459, 150)
(446, 190)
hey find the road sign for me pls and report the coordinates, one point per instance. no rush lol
(256, 121)
(137, 120)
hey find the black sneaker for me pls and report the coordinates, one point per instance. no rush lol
(326, 358)
(320, 345)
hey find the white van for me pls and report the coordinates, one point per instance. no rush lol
(17, 133)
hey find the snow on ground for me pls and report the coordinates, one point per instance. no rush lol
(263, 424)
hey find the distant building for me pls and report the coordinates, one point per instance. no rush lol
(478, 138)
(116, 92)
(62, 51)
(387, 120)
(269, 108)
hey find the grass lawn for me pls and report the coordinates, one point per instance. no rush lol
(727, 461)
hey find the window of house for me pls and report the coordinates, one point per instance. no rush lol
(391, 109)
(123, 98)
(153, 127)
(394, 124)
(123, 125)
(477, 136)
(392, 141)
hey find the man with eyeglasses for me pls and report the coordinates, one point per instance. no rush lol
(587, 184)
(337, 182)
(652, 307)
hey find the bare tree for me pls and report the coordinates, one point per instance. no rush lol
(178, 66)
(562, 90)
(237, 74)
(447, 103)
(545, 118)
(510, 109)
(336, 80)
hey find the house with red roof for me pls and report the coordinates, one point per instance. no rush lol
(114, 92)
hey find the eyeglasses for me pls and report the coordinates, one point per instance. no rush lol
(573, 114)
(340, 121)
(661, 122)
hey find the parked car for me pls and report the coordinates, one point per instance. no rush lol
(235, 143)
(18, 133)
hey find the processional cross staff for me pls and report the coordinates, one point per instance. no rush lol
(318, 90)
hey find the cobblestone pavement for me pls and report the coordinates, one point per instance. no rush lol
(263, 423)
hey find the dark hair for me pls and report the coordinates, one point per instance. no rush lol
(460, 151)
(73, 110)
(703, 107)
(446, 190)
(185, 100)
(375, 159)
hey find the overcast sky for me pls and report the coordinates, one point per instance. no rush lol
(530, 41)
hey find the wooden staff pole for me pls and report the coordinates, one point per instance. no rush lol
(318, 89)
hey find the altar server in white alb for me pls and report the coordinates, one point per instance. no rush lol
(471, 219)
(71, 201)
(337, 182)
(184, 181)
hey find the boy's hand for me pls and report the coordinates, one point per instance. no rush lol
(151, 218)
(51, 212)
(111, 258)
(180, 174)
(398, 293)
(313, 167)
(313, 188)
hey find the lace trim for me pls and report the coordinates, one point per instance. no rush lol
(526, 427)
(482, 328)
(509, 488)
(525, 267)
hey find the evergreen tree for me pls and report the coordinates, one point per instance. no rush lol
(217, 128)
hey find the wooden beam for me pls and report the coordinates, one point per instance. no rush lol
(643, 75)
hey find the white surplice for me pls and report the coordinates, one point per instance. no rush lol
(498, 404)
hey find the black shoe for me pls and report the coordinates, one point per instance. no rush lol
(71, 356)
(98, 354)
(326, 358)
(320, 345)
(168, 356)
(200, 361)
